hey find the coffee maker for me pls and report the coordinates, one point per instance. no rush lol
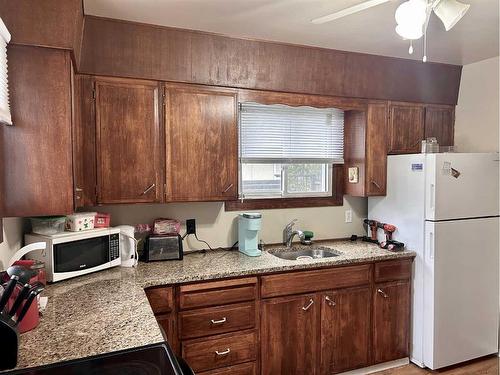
(249, 225)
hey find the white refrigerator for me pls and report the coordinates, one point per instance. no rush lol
(445, 208)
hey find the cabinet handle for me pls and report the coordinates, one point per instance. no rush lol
(227, 189)
(148, 189)
(376, 185)
(330, 302)
(380, 291)
(224, 352)
(223, 320)
(311, 302)
(78, 190)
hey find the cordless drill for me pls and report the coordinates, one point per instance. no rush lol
(373, 225)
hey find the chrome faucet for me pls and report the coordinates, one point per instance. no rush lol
(289, 233)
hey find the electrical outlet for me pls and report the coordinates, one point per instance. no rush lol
(191, 226)
(348, 216)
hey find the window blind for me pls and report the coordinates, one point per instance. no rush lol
(282, 134)
(4, 81)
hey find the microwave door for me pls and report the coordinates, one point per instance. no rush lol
(81, 255)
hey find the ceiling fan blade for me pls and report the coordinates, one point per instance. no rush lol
(348, 11)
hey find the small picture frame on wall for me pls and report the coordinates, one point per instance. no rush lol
(353, 175)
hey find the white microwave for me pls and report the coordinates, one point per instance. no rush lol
(72, 254)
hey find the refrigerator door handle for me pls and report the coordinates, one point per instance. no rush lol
(431, 245)
(433, 197)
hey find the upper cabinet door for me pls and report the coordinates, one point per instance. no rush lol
(129, 167)
(406, 128)
(36, 151)
(376, 149)
(202, 143)
(440, 123)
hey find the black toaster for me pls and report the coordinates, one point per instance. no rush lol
(164, 247)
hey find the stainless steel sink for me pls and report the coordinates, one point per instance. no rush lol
(303, 252)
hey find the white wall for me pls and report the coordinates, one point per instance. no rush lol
(12, 239)
(219, 228)
(476, 120)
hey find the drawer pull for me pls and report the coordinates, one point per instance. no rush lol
(221, 321)
(380, 291)
(376, 185)
(311, 302)
(224, 352)
(330, 302)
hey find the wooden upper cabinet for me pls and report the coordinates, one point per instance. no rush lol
(289, 338)
(365, 139)
(37, 152)
(391, 321)
(406, 127)
(202, 143)
(440, 123)
(129, 161)
(345, 330)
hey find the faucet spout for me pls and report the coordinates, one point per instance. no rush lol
(293, 234)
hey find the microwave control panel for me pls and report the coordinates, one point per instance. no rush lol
(114, 246)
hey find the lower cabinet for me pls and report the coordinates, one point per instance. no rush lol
(323, 321)
(289, 335)
(345, 330)
(391, 321)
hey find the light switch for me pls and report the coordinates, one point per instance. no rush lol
(348, 216)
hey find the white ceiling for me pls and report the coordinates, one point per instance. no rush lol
(474, 38)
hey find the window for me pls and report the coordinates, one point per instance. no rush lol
(4, 85)
(288, 152)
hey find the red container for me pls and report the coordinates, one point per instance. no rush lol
(102, 220)
(32, 317)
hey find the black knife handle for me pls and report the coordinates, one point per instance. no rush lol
(26, 307)
(8, 291)
(19, 299)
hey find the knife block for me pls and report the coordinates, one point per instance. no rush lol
(9, 343)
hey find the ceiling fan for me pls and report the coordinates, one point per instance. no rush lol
(412, 16)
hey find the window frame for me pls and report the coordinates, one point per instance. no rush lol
(292, 99)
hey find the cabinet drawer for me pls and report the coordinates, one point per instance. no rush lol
(230, 349)
(312, 281)
(216, 320)
(249, 368)
(161, 299)
(218, 293)
(393, 270)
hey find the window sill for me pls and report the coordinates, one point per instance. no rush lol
(277, 203)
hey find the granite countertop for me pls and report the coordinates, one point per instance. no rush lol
(108, 311)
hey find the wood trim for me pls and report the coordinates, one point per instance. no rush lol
(130, 49)
(296, 100)
(337, 198)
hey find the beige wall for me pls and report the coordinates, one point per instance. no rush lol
(12, 239)
(476, 123)
(219, 228)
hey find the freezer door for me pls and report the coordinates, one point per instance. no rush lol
(461, 291)
(461, 186)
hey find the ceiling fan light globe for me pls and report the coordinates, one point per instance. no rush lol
(410, 33)
(411, 12)
(450, 12)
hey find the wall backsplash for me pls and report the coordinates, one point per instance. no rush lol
(219, 228)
